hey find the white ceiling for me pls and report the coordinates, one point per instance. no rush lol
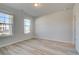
(45, 8)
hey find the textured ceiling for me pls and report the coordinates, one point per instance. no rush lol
(43, 9)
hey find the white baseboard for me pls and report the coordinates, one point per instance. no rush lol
(13, 41)
(69, 42)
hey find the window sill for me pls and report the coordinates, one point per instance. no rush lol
(2, 36)
(27, 33)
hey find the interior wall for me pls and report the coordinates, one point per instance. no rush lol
(18, 26)
(76, 19)
(56, 26)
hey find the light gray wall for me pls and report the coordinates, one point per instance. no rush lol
(76, 19)
(18, 26)
(57, 26)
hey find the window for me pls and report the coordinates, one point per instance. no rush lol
(5, 24)
(27, 24)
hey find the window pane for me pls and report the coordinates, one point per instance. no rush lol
(7, 29)
(4, 15)
(27, 29)
(7, 20)
(1, 20)
(27, 24)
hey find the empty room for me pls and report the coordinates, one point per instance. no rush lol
(39, 28)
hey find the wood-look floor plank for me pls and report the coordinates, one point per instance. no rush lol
(38, 47)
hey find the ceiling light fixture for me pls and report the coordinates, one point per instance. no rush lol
(36, 4)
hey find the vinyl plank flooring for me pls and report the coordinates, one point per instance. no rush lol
(38, 47)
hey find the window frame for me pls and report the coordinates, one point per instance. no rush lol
(10, 24)
(27, 25)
